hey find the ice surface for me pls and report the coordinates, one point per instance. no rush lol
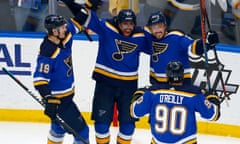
(36, 133)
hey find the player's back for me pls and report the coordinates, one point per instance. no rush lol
(172, 114)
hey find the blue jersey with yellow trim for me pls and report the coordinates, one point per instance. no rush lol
(118, 56)
(172, 112)
(174, 46)
(54, 72)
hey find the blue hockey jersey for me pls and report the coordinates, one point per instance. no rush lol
(172, 112)
(175, 46)
(54, 72)
(118, 56)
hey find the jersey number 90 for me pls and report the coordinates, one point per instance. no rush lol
(170, 119)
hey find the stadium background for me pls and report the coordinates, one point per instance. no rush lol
(18, 50)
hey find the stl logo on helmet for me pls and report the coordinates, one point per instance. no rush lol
(155, 18)
(128, 13)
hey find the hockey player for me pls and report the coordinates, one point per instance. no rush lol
(116, 69)
(168, 45)
(54, 79)
(171, 108)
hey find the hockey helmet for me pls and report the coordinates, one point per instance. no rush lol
(155, 18)
(126, 15)
(54, 21)
(175, 71)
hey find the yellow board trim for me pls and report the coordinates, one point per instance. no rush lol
(20, 115)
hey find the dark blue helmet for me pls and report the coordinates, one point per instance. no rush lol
(175, 71)
(126, 15)
(155, 18)
(54, 21)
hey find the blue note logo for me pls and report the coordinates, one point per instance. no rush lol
(158, 48)
(123, 47)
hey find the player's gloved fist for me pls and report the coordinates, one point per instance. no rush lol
(51, 106)
(212, 39)
(213, 99)
(138, 93)
(93, 4)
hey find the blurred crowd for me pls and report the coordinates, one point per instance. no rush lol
(27, 15)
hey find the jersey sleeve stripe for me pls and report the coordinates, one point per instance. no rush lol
(110, 26)
(55, 53)
(76, 24)
(68, 37)
(38, 83)
(116, 76)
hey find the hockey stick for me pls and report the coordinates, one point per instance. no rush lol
(203, 10)
(59, 119)
(219, 64)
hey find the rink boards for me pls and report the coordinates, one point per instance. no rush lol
(18, 53)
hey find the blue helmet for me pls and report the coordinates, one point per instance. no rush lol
(54, 21)
(155, 18)
(175, 71)
(126, 15)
